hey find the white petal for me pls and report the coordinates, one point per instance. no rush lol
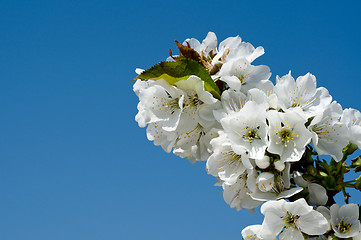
(271, 226)
(291, 234)
(252, 232)
(318, 194)
(313, 223)
(298, 207)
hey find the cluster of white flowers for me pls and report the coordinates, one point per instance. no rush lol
(258, 139)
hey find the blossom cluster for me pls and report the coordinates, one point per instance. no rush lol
(260, 140)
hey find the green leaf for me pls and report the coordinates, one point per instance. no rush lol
(356, 164)
(348, 150)
(173, 72)
(358, 183)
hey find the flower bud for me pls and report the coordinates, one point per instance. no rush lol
(279, 165)
(299, 180)
(263, 162)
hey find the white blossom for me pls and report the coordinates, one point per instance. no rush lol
(291, 218)
(233, 101)
(253, 135)
(229, 49)
(237, 194)
(301, 93)
(239, 74)
(233, 48)
(288, 134)
(329, 135)
(352, 118)
(344, 220)
(184, 113)
(325, 212)
(163, 103)
(299, 180)
(247, 129)
(195, 144)
(208, 45)
(224, 162)
(196, 121)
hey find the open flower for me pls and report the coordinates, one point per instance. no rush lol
(237, 194)
(291, 218)
(206, 48)
(229, 49)
(180, 116)
(239, 74)
(233, 101)
(196, 122)
(301, 93)
(233, 48)
(163, 103)
(224, 162)
(195, 145)
(344, 220)
(247, 129)
(329, 135)
(288, 134)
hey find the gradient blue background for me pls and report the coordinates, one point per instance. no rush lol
(73, 162)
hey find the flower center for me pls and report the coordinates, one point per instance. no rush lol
(251, 134)
(286, 134)
(344, 226)
(290, 220)
(192, 102)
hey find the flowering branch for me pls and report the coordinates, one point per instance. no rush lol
(261, 141)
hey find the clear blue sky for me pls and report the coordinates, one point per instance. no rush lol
(75, 165)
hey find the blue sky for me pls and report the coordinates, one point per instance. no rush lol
(74, 163)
